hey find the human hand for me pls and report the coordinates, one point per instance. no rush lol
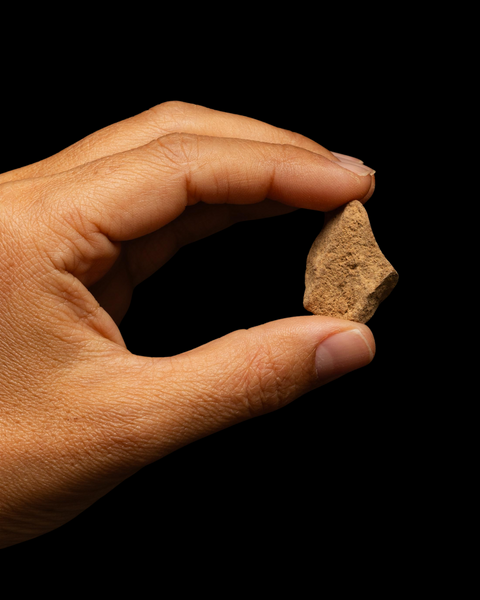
(78, 412)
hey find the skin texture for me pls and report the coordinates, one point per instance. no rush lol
(79, 413)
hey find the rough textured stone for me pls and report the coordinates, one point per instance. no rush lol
(347, 275)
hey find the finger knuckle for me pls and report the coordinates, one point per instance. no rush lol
(169, 115)
(180, 150)
(262, 379)
(172, 107)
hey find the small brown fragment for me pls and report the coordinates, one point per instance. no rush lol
(347, 275)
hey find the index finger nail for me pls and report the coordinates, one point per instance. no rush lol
(346, 157)
(356, 167)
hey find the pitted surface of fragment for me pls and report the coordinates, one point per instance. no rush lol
(347, 275)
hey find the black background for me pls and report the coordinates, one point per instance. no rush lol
(331, 468)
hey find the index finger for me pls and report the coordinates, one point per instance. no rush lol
(160, 120)
(134, 193)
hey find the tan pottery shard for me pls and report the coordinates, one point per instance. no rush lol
(347, 275)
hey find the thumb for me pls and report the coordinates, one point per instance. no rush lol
(245, 374)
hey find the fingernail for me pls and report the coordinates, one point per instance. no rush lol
(355, 167)
(345, 156)
(342, 353)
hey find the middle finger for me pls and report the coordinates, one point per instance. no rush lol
(165, 118)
